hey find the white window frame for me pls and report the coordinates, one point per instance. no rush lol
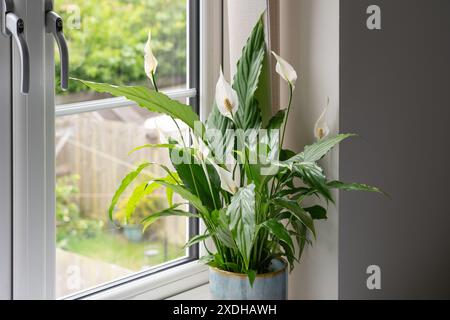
(5, 169)
(34, 164)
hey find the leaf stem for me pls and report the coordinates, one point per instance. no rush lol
(154, 82)
(291, 93)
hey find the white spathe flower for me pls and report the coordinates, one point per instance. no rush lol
(150, 61)
(226, 98)
(321, 129)
(227, 182)
(285, 70)
(201, 150)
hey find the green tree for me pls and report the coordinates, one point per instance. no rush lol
(107, 38)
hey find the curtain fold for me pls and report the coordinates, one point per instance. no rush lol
(239, 19)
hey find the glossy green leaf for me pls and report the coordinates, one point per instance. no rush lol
(220, 141)
(153, 146)
(247, 77)
(318, 150)
(251, 276)
(263, 93)
(138, 194)
(150, 100)
(123, 186)
(169, 212)
(207, 259)
(169, 196)
(272, 140)
(186, 194)
(241, 213)
(220, 226)
(353, 187)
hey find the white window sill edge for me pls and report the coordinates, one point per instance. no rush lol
(162, 285)
(199, 293)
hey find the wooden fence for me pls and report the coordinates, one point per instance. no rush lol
(96, 149)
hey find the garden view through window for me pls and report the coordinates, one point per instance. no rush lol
(106, 41)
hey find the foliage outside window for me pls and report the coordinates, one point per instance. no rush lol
(106, 40)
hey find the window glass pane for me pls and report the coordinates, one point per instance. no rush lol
(106, 41)
(91, 160)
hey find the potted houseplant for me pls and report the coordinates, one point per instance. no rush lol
(247, 189)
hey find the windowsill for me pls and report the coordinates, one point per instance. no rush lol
(162, 285)
(199, 293)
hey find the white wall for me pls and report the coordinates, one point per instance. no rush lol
(309, 39)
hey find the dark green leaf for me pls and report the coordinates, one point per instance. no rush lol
(298, 212)
(352, 187)
(289, 254)
(301, 237)
(317, 212)
(170, 212)
(286, 154)
(197, 239)
(277, 120)
(293, 191)
(195, 180)
(279, 231)
(185, 194)
(313, 176)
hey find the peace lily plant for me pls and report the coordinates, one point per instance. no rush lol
(247, 188)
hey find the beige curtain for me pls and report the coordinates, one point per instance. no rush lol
(239, 18)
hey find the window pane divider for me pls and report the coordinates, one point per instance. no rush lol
(113, 103)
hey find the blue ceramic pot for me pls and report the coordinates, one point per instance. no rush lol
(234, 286)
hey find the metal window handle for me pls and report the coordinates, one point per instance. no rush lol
(54, 25)
(12, 25)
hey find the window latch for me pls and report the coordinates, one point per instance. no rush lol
(13, 26)
(54, 25)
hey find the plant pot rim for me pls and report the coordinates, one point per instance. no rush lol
(259, 276)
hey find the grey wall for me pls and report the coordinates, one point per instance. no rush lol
(395, 86)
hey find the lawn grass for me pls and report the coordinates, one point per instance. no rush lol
(116, 249)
